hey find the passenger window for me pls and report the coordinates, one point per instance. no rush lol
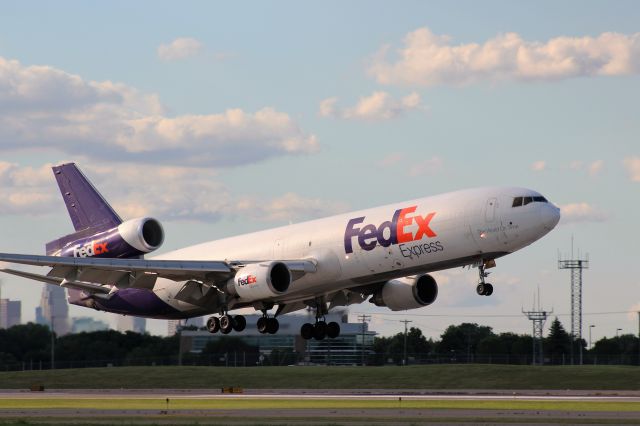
(517, 202)
(527, 200)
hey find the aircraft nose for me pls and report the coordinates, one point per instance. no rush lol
(550, 216)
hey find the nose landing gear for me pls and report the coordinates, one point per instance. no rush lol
(483, 288)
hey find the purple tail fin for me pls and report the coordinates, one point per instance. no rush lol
(86, 206)
(89, 211)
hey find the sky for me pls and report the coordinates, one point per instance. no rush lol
(225, 118)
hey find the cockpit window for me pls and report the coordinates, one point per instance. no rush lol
(523, 201)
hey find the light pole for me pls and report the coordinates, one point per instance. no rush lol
(590, 327)
(617, 330)
(404, 352)
(53, 343)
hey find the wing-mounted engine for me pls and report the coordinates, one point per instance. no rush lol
(407, 293)
(263, 280)
(129, 239)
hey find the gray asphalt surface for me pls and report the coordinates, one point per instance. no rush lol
(333, 416)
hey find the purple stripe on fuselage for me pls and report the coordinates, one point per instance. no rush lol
(138, 302)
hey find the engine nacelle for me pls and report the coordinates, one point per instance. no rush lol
(261, 280)
(407, 293)
(131, 238)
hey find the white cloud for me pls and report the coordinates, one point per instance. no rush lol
(430, 166)
(581, 212)
(539, 166)
(43, 107)
(378, 106)
(180, 48)
(165, 192)
(593, 169)
(596, 167)
(427, 59)
(291, 206)
(392, 159)
(632, 164)
(25, 190)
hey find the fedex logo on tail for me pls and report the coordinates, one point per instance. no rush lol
(388, 232)
(92, 248)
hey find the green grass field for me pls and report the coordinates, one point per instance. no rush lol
(460, 376)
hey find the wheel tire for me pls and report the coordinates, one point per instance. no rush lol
(333, 330)
(481, 289)
(488, 290)
(320, 330)
(213, 325)
(226, 324)
(262, 325)
(273, 325)
(306, 331)
(239, 323)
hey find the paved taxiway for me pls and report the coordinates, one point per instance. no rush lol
(338, 416)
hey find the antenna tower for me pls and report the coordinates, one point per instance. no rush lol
(575, 265)
(538, 318)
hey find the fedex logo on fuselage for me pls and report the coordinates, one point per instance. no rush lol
(388, 232)
(92, 248)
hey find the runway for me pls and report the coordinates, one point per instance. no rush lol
(326, 407)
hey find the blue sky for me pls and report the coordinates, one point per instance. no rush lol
(256, 114)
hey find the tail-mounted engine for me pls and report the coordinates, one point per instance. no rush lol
(129, 239)
(261, 281)
(407, 293)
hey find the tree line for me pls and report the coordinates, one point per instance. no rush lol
(28, 346)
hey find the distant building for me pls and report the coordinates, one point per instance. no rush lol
(174, 325)
(130, 323)
(346, 349)
(10, 313)
(87, 325)
(54, 309)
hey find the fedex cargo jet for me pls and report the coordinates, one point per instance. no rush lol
(383, 255)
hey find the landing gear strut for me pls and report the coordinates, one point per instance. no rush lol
(483, 288)
(226, 323)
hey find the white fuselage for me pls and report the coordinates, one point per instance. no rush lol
(374, 245)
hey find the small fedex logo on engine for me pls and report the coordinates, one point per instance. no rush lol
(247, 280)
(388, 232)
(92, 248)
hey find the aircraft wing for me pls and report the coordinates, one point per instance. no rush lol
(88, 273)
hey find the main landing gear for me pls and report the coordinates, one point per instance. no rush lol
(483, 288)
(226, 324)
(320, 329)
(268, 325)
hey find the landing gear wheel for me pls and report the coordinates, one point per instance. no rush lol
(333, 330)
(306, 331)
(239, 323)
(481, 289)
(262, 325)
(273, 325)
(488, 289)
(213, 325)
(320, 330)
(226, 324)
